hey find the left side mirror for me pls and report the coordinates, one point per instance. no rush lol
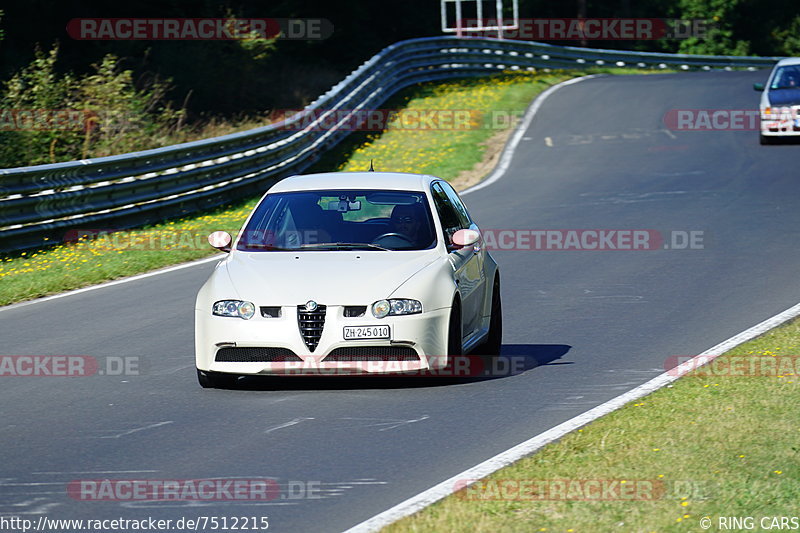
(221, 240)
(465, 237)
(758, 87)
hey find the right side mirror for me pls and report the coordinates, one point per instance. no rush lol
(758, 87)
(221, 240)
(465, 237)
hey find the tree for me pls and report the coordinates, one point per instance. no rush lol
(720, 39)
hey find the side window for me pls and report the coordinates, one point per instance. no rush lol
(458, 205)
(448, 214)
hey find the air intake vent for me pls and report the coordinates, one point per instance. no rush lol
(352, 311)
(256, 355)
(372, 353)
(311, 324)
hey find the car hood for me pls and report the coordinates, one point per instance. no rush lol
(329, 277)
(781, 97)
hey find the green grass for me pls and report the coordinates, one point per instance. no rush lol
(718, 445)
(444, 153)
(485, 107)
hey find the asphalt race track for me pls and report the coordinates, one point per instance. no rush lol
(588, 325)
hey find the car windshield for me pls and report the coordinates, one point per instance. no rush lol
(786, 78)
(377, 220)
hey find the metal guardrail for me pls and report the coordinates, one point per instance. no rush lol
(39, 204)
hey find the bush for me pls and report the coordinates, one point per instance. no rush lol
(107, 113)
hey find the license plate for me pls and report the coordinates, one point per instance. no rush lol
(366, 332)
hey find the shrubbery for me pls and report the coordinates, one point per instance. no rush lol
(103, 113)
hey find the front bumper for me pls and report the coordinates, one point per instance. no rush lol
(781, 122)
(424, 333)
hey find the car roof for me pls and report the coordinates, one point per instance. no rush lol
(788, 61)
(398, 181)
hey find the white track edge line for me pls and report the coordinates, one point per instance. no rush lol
(508, 151)
(113, 282)
(471, 475)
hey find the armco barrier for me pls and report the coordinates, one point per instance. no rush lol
(39, 204)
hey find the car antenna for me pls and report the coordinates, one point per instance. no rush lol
(371, 169)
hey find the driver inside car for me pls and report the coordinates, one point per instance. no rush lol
(407, 221)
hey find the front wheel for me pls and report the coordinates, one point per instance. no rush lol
(763, 140)
(454, 342)
(494, 339)
(454, 333)
(216, 380)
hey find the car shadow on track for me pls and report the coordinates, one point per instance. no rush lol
(513, 360)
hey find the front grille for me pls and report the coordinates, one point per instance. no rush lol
(311, 324)
(271, 312)
(256, 355)
(372, 353)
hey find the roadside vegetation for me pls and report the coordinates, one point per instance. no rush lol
(720, 442)
(47, 116)
(227, 77)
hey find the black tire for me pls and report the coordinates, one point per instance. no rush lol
(494, 339)
(454, 332)
(216, 380)
(454, 345)
(763, 140)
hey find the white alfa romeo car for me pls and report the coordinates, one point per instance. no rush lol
(348, 273)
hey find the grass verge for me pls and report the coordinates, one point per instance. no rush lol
(720, 443)
(454, 154)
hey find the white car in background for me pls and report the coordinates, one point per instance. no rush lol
(780, 101)
(348, 273)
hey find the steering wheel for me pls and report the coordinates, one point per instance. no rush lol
(395, 235)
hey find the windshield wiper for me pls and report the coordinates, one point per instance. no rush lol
(267, 247)
(346, 245)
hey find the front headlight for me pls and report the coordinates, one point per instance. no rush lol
(382, 308)
(234, 308)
